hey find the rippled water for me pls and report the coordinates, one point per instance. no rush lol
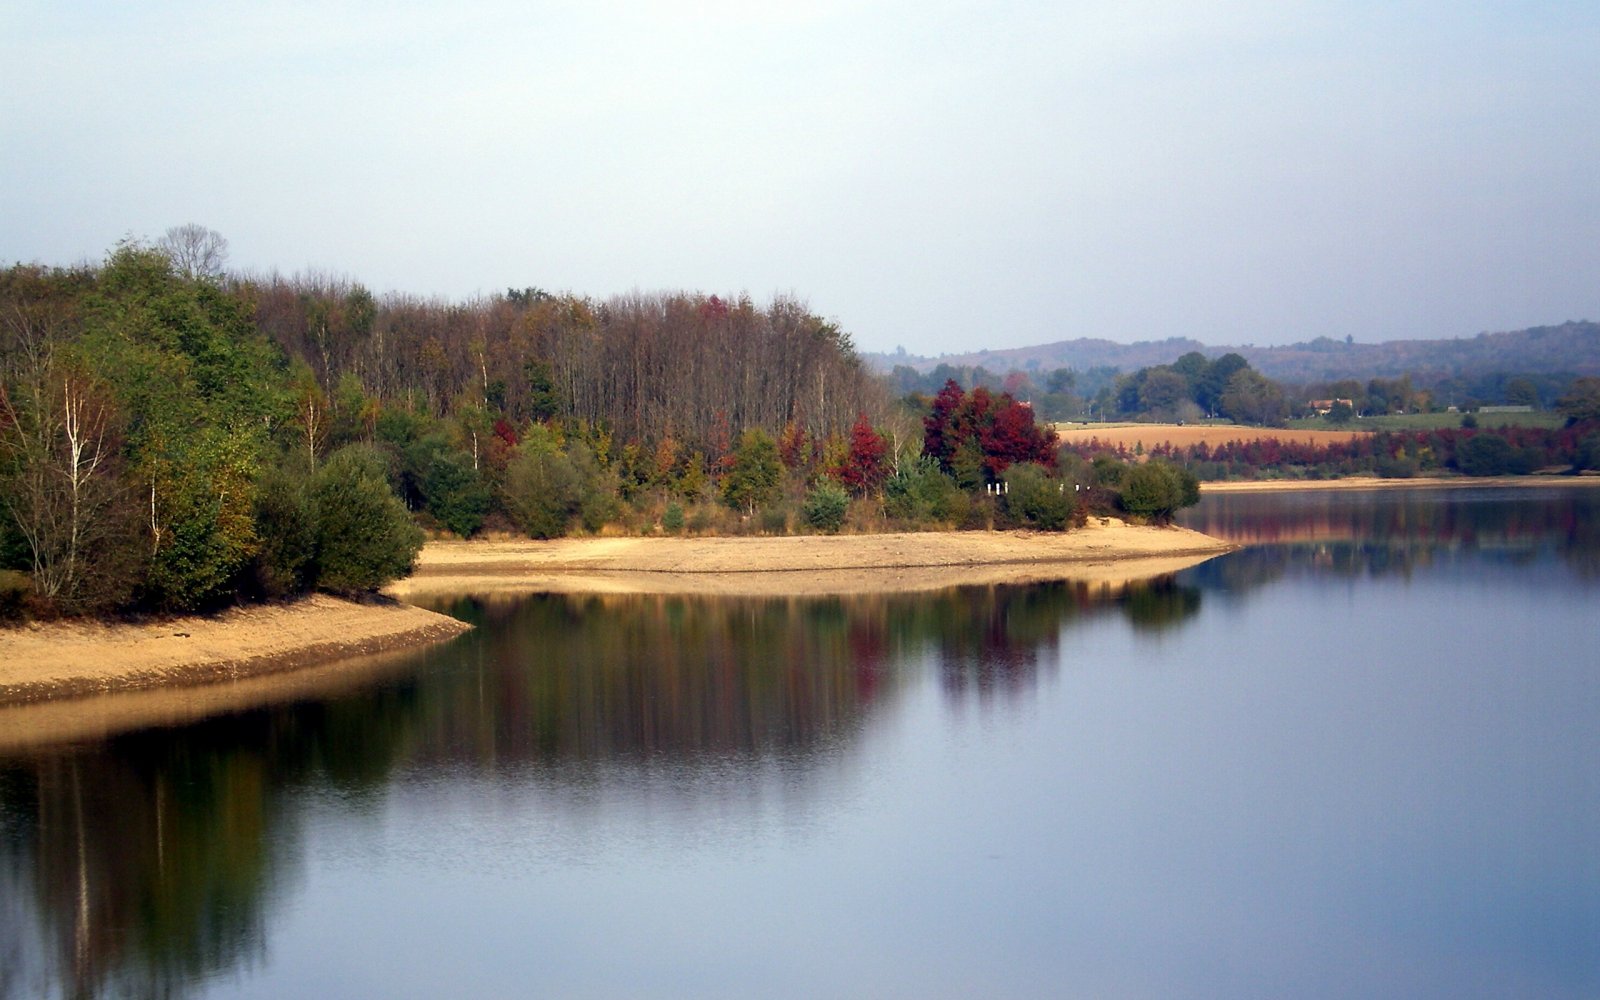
(1356, 758)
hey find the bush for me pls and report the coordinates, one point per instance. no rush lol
(15, 589)
(287, 527)
(1486, 455)
(1035, 500)
(457, 495)
(1587, 455)
(672, 518)
(825, 506)
(364, 536)
(1156, 490)
(920, 492)
(542, 491)
(774, 521)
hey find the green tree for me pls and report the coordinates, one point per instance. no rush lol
(920, 491)
(1036, 500)
(753, 480)
(1252, 398)
(1488, 454)
(1156, 490)
(457, 496)
(825, 506)
(542, 490)
(365, 538)
(1581, 401)
(285, 560)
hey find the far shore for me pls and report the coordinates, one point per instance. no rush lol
(1375, 483)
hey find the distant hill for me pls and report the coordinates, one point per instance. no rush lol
(1571, 348)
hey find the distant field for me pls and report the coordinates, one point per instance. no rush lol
(1439, 421)
(1186, 435)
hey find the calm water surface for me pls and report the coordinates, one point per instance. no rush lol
(1358, 758)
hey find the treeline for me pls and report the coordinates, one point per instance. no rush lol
(1388, 454)
(173, 437)
(1155, 392)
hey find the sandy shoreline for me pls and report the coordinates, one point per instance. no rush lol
(1103, 551)
(75, 659)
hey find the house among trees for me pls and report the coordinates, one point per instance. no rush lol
(1322, 407)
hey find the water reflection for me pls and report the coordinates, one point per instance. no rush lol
(149, 863)
(1377, 533)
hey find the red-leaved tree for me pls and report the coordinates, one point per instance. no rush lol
(865, 467)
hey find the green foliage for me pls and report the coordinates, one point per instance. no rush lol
(753, 480)
(1252, 398)
(1489, 454)
(1581, 401)
(774, 520)
(542, 490)
(598, 501)
(921, 492)
(1036, 500)
(365, 538)
(1156, 490)
(1587, 454)
(285, 561)
(672, 518)
(202, 512)
(825, 506)
(456, 494)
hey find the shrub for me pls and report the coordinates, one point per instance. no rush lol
(825, 506)
(672, 518)
(542, 490)
(1035, 500)
(1156, 490)
(15, 589)
(457, 495)
(921, 492)
(364, 536)
(774, 521)
(287, 527)
(1485, 455)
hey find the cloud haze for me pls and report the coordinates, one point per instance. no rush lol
(943, 176)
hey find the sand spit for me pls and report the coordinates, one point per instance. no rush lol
(70, 659)
(1104, 551)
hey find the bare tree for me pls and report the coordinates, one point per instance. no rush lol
(59, 444)
(197, 252)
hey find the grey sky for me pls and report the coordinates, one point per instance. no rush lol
(943, 176)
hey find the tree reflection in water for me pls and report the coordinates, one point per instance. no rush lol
(149, 863)
(1380, 533)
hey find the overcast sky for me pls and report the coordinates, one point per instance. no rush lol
(942, 176)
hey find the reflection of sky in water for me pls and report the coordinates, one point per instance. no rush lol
(1322, 768)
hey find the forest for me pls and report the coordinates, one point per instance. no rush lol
(176, 437)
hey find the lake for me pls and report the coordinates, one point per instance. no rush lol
(1359, 757)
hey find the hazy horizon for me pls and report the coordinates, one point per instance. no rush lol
(948, 178)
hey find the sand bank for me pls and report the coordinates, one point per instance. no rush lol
(1103, 551)
(67, 659)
